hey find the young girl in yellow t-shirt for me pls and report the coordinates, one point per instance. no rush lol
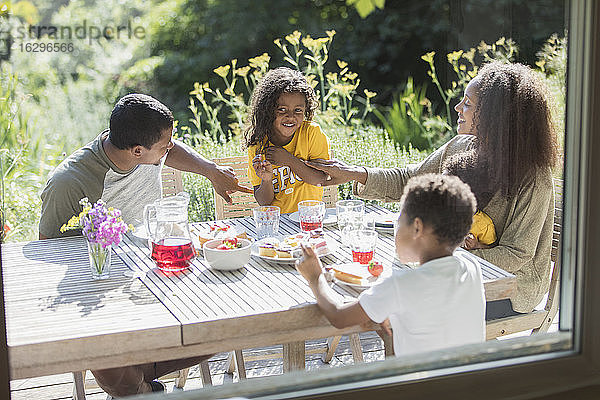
(280, 137)
(473, 171)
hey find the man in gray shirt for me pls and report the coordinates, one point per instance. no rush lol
(122, 166)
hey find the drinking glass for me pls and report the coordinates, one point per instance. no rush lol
(363, 243)
(266, 219)
(347, 211)
(311, 214)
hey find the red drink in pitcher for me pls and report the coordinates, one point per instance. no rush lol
(308, 226)
(362, 257)
(173, 254)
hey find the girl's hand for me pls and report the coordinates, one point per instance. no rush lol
(310, 265)
(471, 243)
(278, 155)
(263, 168)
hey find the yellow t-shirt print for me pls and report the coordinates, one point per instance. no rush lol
(309, 142)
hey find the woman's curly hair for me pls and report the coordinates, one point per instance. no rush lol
(472, 170)
(515, 133)
(263, 104)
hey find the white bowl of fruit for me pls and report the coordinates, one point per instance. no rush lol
(227, 254)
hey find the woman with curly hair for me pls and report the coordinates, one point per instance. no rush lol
(505, 118)
(280, 137)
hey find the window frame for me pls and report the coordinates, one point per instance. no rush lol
(566, 362)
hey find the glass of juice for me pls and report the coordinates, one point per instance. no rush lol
(311, 214)
(362, 244)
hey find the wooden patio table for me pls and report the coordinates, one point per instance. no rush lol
(60, 320)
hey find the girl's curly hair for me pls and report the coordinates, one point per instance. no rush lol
(515, 133)
(264, 103)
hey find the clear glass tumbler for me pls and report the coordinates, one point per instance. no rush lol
(266, 219)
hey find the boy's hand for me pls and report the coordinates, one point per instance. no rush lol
(263, 168)
(310, 265)
(278, 156)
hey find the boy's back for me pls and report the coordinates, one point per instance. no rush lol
(439, 304)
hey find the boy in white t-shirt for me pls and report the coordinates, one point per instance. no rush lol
(437, 305)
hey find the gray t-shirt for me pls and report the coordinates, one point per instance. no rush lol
(88, 172)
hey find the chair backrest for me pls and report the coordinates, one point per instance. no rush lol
(171, 181)
(243, 203)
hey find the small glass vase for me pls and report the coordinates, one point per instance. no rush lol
(100, 258)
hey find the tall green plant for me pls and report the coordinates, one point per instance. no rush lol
(337, 90)
(404, 120)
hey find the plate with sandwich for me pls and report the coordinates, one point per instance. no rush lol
(287, 249)
(358, 276)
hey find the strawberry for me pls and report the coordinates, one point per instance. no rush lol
(375, 268)
(229, 244)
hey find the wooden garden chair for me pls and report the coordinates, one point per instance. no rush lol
(537, 320)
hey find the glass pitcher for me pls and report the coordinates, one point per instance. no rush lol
(166, 222)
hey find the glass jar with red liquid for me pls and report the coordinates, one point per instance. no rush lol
(311, 214)
(362, 244)
(166, 222)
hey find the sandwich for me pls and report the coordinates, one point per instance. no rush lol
(353, 273)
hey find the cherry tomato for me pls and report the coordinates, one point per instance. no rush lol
(375, 268)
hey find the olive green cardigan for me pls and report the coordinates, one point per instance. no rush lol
(523, 222)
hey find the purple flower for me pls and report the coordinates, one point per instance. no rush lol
(100, 224)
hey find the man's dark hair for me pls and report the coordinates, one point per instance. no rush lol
(138, 120)
(474, 171)
(442, 202)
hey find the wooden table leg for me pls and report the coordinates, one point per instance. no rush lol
(355, 347)
(332, 344)
(79, 385)
(294, 356)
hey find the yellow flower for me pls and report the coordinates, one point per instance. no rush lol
(342, 64)
(277, 42)
(243, 71)
(260, 62)
(351, 75)
(370, 94)
(229, 92)
(428, 57)
(330, 33)
(222, 71)
(197, 89)
(294, 38)
(454, 56)
(331, 76)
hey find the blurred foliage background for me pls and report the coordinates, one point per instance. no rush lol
(390, 74)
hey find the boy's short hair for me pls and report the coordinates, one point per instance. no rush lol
(442, 202)
(138, 119)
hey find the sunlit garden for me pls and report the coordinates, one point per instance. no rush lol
(54, 102)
